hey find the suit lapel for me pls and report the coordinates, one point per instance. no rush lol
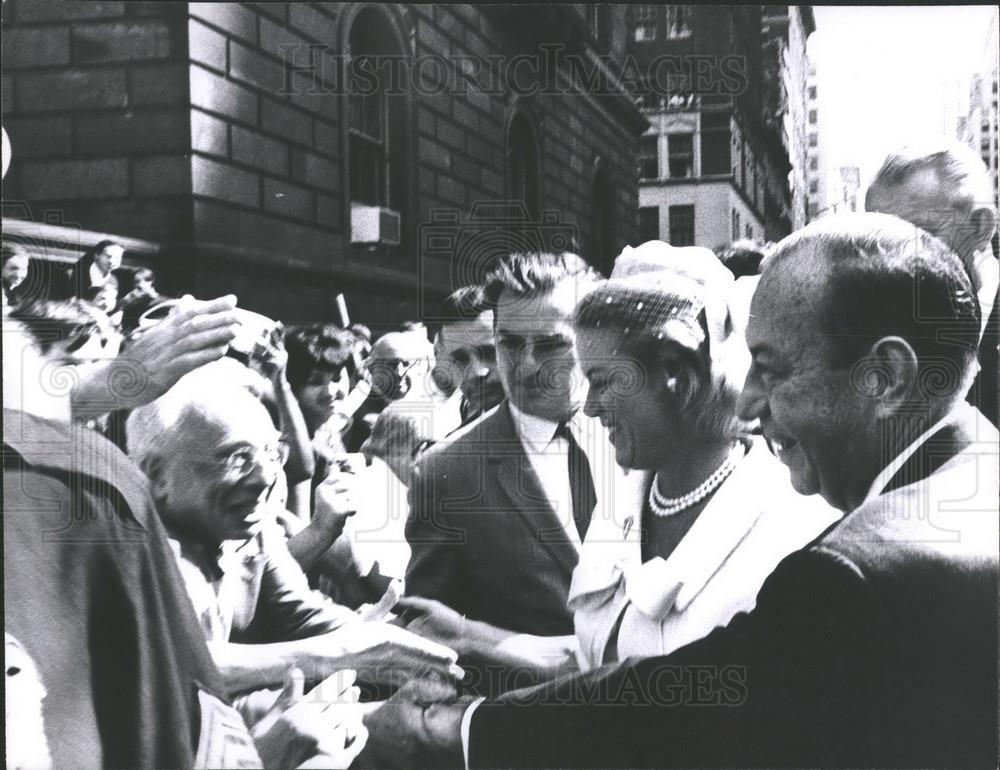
(519, 484)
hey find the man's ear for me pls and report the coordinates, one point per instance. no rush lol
(889, 374)
(154, 466)
(983, 222)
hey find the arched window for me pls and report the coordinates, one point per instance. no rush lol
(377, 122)
(522, 165)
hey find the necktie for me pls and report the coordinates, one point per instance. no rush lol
(581, 481)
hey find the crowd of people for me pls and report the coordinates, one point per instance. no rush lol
(731, 508)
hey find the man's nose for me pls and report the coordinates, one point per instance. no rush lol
(592, 407)
(752, 403)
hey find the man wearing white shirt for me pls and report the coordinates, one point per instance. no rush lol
(497, 512)
(873, 646)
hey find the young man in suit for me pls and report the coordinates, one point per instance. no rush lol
(875, 645)
(496, 520)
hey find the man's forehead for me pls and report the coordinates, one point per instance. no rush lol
(538, 312)
(244, 422)
(468, 332)
(404, 346)
(785, 302)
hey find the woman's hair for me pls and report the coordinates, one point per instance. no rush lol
(49, 321)
(319, 347)
(97, 248)
(668, 334)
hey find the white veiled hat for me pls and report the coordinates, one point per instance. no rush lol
(685, 280)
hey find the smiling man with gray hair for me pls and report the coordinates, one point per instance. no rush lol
(213, 459)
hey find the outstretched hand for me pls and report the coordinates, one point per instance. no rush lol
(419, 726)
(196, 333)
(383, 654)
(321, 729)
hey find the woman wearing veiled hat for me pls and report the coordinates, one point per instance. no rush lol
(666, 360)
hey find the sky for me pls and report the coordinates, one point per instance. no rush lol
(886, 75)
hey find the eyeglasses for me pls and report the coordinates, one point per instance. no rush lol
(241, 462)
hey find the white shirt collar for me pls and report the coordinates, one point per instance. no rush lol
(883, 479)
(537, 432)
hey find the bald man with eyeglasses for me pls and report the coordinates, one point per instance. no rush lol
(214, 460)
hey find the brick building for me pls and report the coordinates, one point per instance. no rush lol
(818, 203)
(786, 30)
(713, 168)
(290, 151)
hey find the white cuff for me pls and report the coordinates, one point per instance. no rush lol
(467, 727)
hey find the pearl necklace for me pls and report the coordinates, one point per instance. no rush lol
(668, 506)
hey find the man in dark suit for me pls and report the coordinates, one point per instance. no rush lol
(495, 522)
(874, 646)
(946, 189)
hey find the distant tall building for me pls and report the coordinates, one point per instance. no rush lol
(979, 128)
(713, 167)
(816, 196)
(786, 29)
(847, 197)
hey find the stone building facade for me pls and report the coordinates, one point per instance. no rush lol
(290, 151)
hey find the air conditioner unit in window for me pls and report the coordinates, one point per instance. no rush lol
(374, 225)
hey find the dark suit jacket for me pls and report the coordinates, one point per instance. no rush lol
(874, 646)
(484, 538)
(984, 392)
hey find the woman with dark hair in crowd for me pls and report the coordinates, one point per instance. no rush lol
(95, 267)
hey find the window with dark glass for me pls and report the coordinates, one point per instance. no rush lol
(376, 119)
(522, 165)
(814, 164)
(812, 117)
(681, 225)
(715, 143)
(602, 204)
(813, 140)
(678, 21)
(649, 223)
(814, 186)
(649, 157)
(812, 92)
(680, 155)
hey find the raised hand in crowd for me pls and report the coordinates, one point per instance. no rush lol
(197, 332)
(334, 504)
(269, 358)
